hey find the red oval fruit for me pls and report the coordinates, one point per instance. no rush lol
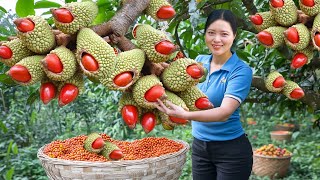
(47, 92)
(309, 3)
(62, 15)
(203, 103)
(165, 47)
(123, 79)
(178, 120)
(277, 3)
(292, 35)
(317, 39)
(154, 93)
(116, 154)
(52, 63)
(279, 82)
(148, 122)
(256, 19)
(195, 71)
(5, 52)
(98, 143)
(24, 24)
(89, 63)
(297, 93)
(68, 93)
(19, 73)
(166, 12)
(130, 115)
(265, 38)
(298, 61)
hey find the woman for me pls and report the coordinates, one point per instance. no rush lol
(220, 149)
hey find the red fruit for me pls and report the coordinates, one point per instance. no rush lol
(277, 3)
(279, 82)
(62, 15)
(19, 73)
(154, 93)
(178, 120)
(52, 63)
(179, 55)
(297, 93)
(308, 3)
(165, 47)
(256, 19)
(47, 92)
(265, 38)
(24, 24)
(299, 60)
(148, 122)
(5, 52)
(98, 143)
(166, 12)
(292, 35)
(203, 103)
(195, 71)
(68, 93)
(130, 115)
(89, 63)
(123, 79)
(317, 39)
(134, 31)
(116, 154)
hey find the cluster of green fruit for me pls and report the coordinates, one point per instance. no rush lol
(285, 24)
(35, 57)
(271, 150)
(94, 143)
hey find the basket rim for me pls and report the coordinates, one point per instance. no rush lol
(44, 157)
(271, 157)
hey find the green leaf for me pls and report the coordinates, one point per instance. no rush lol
(5, 79)
(3, 9)
(3, 127)
(15, 148)
(32, 97)
(25, 8)
(69, 1)
(46, 4)
(9, 174)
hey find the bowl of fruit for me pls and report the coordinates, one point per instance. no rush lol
(272, 161)
(281, 135)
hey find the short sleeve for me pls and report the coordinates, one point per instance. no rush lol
(239, 84)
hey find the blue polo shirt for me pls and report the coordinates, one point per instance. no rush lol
(232, 80)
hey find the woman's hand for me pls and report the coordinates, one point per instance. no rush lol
(172, 109)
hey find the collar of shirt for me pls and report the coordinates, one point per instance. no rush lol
(228, 66)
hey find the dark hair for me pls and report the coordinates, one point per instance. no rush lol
(222, 14)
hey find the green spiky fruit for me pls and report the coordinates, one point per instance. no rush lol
(107, 150)
(272, 76)
(88, 42)
(267, 21)
(41, 39)
(190, 96)
(130, 62)
(315, 32)
(289, 88)
(310, 11)
(147, 37)
(127, 99)
(88, 143)
(286, 15)
(175, 77)
(277, 35)
(154, 7)
(141, 87)
(19, 51)
(69, 63)
(34, 67)
(76, 79)
(304, 37)
(83, 15)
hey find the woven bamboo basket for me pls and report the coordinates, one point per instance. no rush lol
(281, 135)
(166, 167)
(274, 167)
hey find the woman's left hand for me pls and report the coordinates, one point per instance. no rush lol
(172, 109)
